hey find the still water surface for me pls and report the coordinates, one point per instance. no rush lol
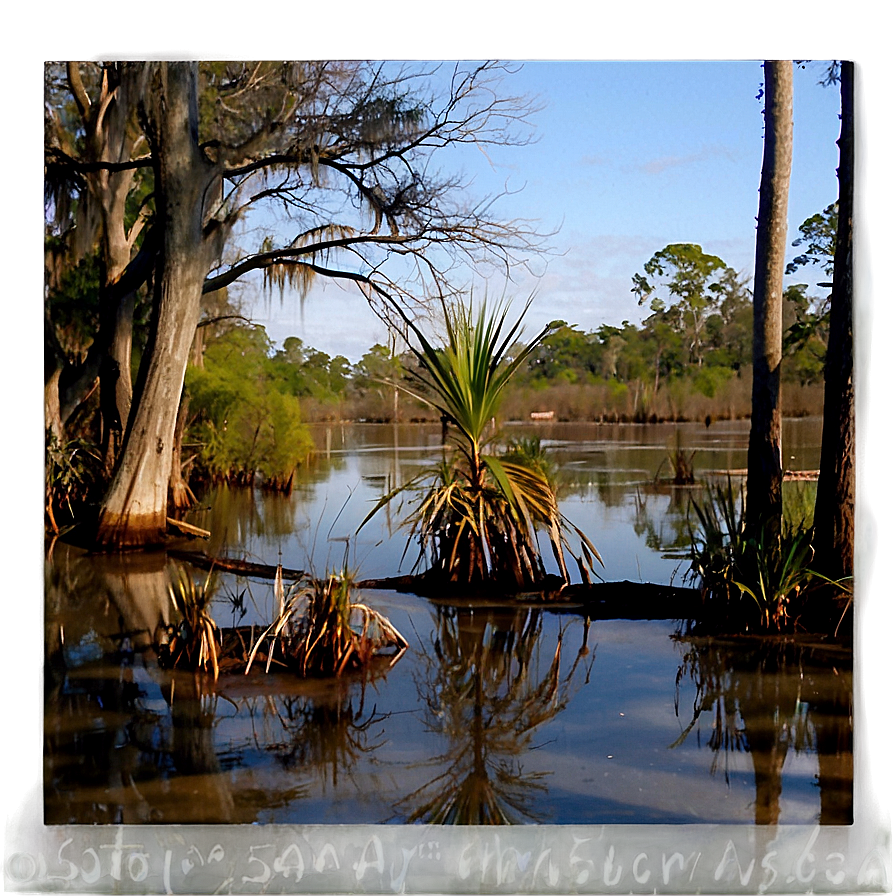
(493, 714)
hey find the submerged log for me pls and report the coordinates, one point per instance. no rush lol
(601, 600)
(235, 565)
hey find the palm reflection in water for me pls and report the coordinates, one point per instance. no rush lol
(490, 681)
(766, 697)
(327, 733)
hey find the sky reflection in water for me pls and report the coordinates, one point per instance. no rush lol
(492, 716)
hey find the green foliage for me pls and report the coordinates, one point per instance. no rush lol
(818, 234)
(806, 326)
(308, 372)
(245, 420)
(72, 300)
(477, 513)
(685, 286)
(565, 352)
(763, 581)
(708, 380)
(529, 452)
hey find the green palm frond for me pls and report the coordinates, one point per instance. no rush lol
(465, 378)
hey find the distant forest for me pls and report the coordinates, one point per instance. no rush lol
(246, 402)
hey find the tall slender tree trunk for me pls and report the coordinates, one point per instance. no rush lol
(135, 508)
(764, 469)
(835, 500)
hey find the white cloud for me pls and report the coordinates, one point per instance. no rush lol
(705, 154)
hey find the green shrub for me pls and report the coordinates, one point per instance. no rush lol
(245, 423)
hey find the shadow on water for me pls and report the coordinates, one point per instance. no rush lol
(766, 698)
(489, 683)
(127, 742)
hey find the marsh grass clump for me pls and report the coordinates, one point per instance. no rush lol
(73, 471)
(193, 641)
(760, 580)
(319, 631)
(680, 460)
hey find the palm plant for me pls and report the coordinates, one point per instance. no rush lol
(477, 512)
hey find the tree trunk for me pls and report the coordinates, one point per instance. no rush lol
(109, 137)
(764, 470)
(135, 507)
(835, 499)
(52, 417)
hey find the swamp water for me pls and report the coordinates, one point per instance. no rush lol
(494, 713)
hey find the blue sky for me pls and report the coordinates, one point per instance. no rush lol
(628, 157)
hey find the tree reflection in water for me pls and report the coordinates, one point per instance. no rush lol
(327, 732)
(767, 696)
(486, 691)
(651, 519)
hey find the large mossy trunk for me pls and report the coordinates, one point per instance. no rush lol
(135, 507)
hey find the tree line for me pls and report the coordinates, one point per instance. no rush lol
(245, 401)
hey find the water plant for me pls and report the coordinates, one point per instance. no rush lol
(73, 469)
(193, 642)
(476, 514)
(757, 579)
(681, 462)
(319, 631)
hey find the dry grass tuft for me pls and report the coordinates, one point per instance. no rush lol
(320, 632)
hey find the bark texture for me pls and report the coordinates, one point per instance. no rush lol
(764, 468)
(835, 500)
(135, 508)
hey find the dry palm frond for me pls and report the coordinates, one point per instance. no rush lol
(193, 644)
